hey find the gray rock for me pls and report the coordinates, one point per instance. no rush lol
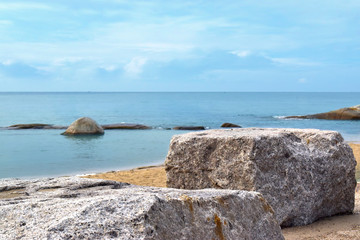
(84, 125)
(35, 126)
(124, 126)
(189, 128)
(230, 125)
(75, 208)
(349, 113)
(304, 174)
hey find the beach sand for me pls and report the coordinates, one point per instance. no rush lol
(331, 228)
(356, 150)
(153, 176)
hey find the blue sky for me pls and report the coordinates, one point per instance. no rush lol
(118, 45)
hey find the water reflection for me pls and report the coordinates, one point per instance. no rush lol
(84, 138)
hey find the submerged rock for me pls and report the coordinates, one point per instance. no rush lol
(35, 126)
(84, 125)
(124, 126)
(75, 208)
(304, 174)
(189, 128)
(230, 125)
(350, 113)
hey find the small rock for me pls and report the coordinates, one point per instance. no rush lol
(124, 126)
(84, 125)
(230, 125)
(189, 128)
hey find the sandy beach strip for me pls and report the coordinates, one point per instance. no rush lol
(342, 227)
(155, 176)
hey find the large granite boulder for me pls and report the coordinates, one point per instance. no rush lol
(84, 125)
(75, 208)
(304, 174)
(350, 113)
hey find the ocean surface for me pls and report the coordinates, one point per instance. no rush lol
(40, 153)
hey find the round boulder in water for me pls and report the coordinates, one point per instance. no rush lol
(84, 125)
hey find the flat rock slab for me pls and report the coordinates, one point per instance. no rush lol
(35, 126)
(76, 208)
(304, 174)
(230, 125)
(124, 126)
(189, 128)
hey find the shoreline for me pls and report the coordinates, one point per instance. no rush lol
(355, 145)
(122, 174)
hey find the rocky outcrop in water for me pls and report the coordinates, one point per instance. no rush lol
(75, 208)
(84, 125)
(350, 113)
(35, 126)
(304, 174)
(230, 125)
(189, 128)
(124, 126)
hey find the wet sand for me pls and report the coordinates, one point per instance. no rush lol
(332, 228)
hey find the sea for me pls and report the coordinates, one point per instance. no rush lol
(47, 153)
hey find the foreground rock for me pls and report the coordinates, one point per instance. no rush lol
(189, 128)
(230, 125)
(35, 126)
(304, 174)
(84, 125)
(351, 113)
(75, 208)
(124, 126)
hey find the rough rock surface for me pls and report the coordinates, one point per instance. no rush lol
(350, 113)
(84, 125)
(189, 128)
(230, 125)
(75, 208)
(304, 174)
(124, 126)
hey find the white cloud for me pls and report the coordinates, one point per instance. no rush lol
(5, 22)
(241, 53)
(302, 80)
(293, 61)
(7, 62)
(109, 68)
(66, 60)
(24, 5)
(134, 67)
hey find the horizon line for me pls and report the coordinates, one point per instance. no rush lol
(179, 92)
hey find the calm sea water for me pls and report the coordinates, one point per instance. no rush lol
(34, 153)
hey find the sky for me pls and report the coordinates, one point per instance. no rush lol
(180, 45)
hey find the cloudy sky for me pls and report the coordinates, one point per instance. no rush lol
(123, 45)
